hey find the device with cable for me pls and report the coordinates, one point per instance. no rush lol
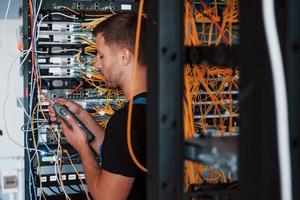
(62, 111)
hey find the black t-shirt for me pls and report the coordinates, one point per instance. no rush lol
(115, 154)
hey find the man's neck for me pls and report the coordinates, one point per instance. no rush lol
(139, 84)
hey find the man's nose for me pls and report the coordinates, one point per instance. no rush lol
(98, 65)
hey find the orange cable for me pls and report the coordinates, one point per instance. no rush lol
(134, 69)
(215, 22)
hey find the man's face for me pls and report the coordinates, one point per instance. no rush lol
(107, 63)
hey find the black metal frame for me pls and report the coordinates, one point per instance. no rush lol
(26, 77)
(165, 82)
(222, 56)
(292, 74)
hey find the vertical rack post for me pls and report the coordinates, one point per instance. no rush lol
(165, 82)
(292, 77)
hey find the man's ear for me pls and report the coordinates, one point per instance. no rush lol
(125, 56)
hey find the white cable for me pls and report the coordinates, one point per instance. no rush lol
(30, 107)
(5, 102)
(22, 62)
(39, 27)
(67, 16)
(15, 78)
(44, 123)
(36, 16)
(4, 107)
(280, 99)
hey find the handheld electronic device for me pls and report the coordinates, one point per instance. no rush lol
(62, 112)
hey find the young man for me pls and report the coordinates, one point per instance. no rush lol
(117, 177)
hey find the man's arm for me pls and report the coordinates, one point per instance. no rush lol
(102, 184)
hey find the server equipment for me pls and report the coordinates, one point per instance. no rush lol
(58, 62)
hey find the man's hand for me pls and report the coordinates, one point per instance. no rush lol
(74, 134)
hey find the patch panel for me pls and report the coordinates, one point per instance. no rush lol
(63, 27)
(93, 5)
(86, 93)
(60, 38)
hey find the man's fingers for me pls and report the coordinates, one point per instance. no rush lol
(72, 122)
(65, 128)
(53, 119)
(51, 114)
(63, 125)
(75, 127)
(50, 108)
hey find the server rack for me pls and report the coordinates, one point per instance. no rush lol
(258, 162)
(167, 149)
(165, 61)
(59, 63)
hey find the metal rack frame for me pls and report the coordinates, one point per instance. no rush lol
(165, 61)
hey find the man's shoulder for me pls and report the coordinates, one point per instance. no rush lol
(139, 105)
(120, 116)
(138, 110)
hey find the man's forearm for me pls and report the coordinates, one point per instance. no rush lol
(91, 167)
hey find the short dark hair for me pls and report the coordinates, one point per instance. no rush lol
(120, 29)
